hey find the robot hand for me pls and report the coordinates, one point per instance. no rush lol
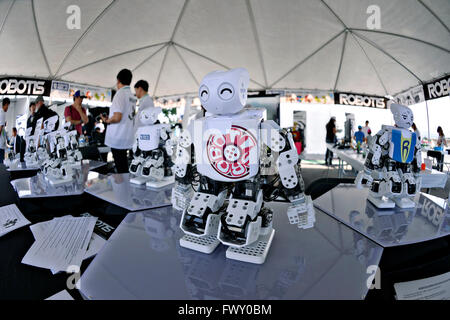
(418, 179)
(302, 213)
(364, 178)
(181, 196)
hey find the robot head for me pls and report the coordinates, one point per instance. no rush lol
(50, 124)
(149, 116)
(403, 116)
(67, 126)
(224, 92)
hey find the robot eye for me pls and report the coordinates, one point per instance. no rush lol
(226, 91)
(204, 93)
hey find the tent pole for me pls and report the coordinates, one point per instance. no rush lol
(428, 120)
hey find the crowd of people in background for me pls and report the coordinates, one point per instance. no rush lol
(364, 135)
(118, 126)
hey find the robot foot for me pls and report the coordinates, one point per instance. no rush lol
(158, 184)
(203, 244)
(55, 182)
(308, 218)
(138, 180)
(303, 214)
(404, 203)
(255, 253)
(381, 202)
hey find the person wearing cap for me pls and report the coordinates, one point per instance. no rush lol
(359, 135)
(42, 111)
(120, 121)
(145, 101)
(3, 139)
(76, 114)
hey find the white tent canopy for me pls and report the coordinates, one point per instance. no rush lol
(286, 44)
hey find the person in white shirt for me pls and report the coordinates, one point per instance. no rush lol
(5, 105)
(366, 129)
(145, 101)
(120, 129)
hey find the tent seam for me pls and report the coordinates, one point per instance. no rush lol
(307, 58)
(6, 16)
(186, 65)
(341, 60)
(40, 40)
(161, 69)
(89, 28)
(212, 60)
(373, 64)
(373, 44)
(257, 40)
(434, 15)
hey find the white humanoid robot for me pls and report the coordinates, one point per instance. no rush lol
(152, 152)
(234, 152)
(64, 157)
(395, 155)
(30, 153)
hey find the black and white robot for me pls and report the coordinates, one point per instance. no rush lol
(64, 157)
(152, 152)
(236, 155)
(395, 157)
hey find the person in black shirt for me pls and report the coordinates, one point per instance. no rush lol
(331, 138)
(42, 111)
(30, 119)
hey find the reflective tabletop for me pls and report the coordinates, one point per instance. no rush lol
(39, 187)
(430, 219)
(117, 189)
(20, 166)
(143, 260)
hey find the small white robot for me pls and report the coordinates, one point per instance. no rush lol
(239, 158)
(395, 155)
(152, 152)
(63, 157)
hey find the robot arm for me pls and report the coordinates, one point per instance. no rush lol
(167, 140)
(373, 160)
(184, 172)
(417, 164)
(301, 212)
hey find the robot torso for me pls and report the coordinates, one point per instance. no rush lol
(227, 147)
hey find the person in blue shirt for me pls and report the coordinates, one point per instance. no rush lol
(359, 136)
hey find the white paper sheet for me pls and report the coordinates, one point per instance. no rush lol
(434, 288)
(96, 243)
(63, 245)
(63, 295)
(11, 219)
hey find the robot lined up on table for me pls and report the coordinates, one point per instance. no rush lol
(395, 155)
(55, 152)
(238, 159)
(152, 150)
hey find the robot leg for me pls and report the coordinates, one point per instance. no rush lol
(383, 191)
(200, 221)
(405, 200)
(247, 225)
(154, 171)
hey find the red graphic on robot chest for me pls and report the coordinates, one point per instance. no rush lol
(229, 154)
